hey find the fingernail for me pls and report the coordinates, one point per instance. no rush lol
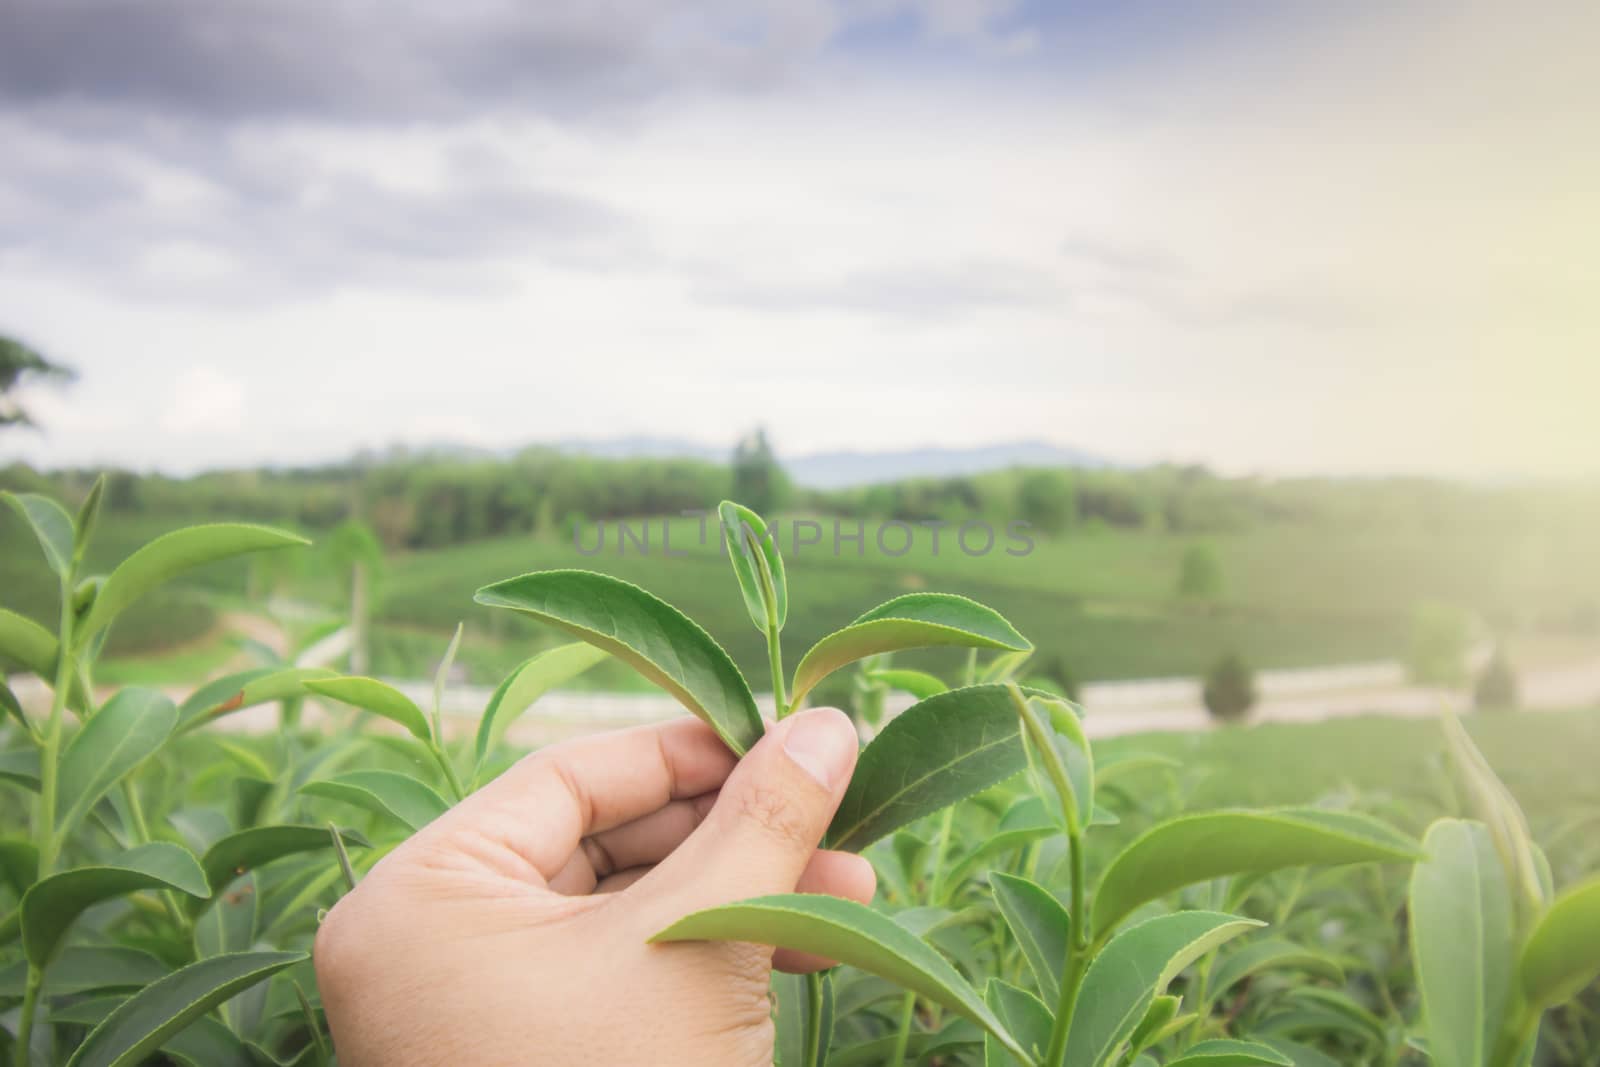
(823, 742)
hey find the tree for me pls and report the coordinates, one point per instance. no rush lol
(1497, 688)
(18, 364)
(1230, 689)
(1046, 501)
(758, 482)
(1200, 574)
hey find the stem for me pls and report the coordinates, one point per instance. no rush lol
(44, 830)
(936, 894)
(1077, 959)
(140, 830)
(30, 1007)
(443, 760)
(908, 1008)
(780, 698)
(1515, 1039)
(813, 1049)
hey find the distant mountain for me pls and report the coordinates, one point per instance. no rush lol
(837, 470)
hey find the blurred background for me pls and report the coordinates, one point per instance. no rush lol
(1277, 325)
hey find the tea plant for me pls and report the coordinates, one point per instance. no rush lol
(1039, 905)
(1495, 947)
(1099, 979)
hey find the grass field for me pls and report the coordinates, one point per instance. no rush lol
(1100, 602)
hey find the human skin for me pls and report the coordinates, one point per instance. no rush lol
(515, 929)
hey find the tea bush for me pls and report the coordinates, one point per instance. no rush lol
(1040, 904)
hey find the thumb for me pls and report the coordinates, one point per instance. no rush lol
(768, 818)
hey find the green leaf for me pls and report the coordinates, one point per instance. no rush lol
(1133, 969)
(11, 707)
(88, 518)
(648, 634)
(382, 700)
(52, 526)
(1039, 924)
(1158, 1019)
(930, 756)
(1226, 1052)
(246, 689)
(228, 924)
(21, 765)
(850, 933)
(791, 1017)
(999, 843)
(1498, 809)
(757, 564)
(83, 970)
(1024, 1015)
(1462, 947)
(532, 679)
(1059, 753)
(440, 677)
(919, 684)
(19, 863)
(129, 729)
(246, 850)
(389, 793)
(916, 620)
(143, 1023)
(1195, 848)
(1271, 954)
(1562, 955)
(170, 555)
(33, 648)
(51, 905)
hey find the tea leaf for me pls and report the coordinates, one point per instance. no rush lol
(1024, 1015)
(19, 863)
(1562, 955)
(88, 518)
(382, 700)
(1226, 1052)
(229, 923)
(850, 933)
(1461, 942)
(21, 765)
(126, 731)
(757, 564)
(82, 970)
(916, 620)
(1267, 955)
(919, 684)
(33, 648)
(1055, 738)
(648, 634)
(51, 525)
(1194, 848)
(50, 906)
(532, 679)
(1498, 809)
(142, 1023)
(998, 843)
(441, 677)
(234, 692)
(1158, 1018)
(1040, 925)
(1136, 967)
(927, 758)
(791, 1017)
(246, 850)
(170, 555)
(389, 793)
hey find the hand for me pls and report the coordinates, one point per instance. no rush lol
(514, 929)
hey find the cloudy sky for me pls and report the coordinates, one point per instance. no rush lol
(1337, 237)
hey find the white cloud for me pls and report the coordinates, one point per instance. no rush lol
(204, 401)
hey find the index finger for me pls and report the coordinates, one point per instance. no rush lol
(539, 809)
